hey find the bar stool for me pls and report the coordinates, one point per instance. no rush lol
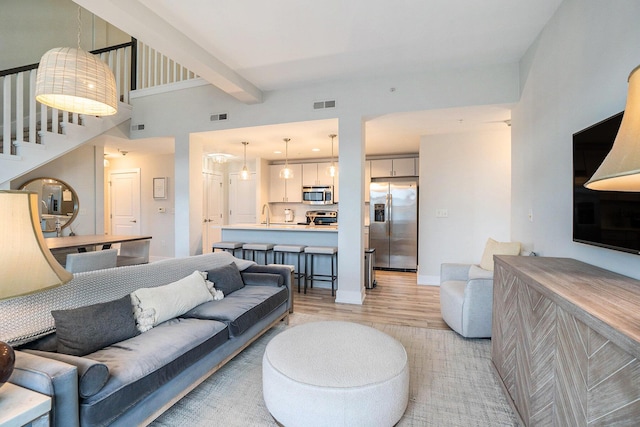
(310, 252)
(282, 251)
(257, 247)
(227, 247)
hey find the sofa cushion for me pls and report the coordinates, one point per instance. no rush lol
(226, 279)
(142, 364)
(153, 306)
(83, 330)
(497, 248)
(243, 308)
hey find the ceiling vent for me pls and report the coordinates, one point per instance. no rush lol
(218, 117)
(137, 127)
(320, 105)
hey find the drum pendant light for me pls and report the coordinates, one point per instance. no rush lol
(76, 81)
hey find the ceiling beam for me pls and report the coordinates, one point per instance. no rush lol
(145, 25)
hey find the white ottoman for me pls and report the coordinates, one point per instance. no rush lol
(335, 374)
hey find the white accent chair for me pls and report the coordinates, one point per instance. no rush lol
(89, 261)
(466, 299)
(466, 291)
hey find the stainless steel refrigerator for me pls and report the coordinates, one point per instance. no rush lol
(393, 225)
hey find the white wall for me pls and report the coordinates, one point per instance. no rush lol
(154, 223)
(28, 28)
(574, 76)
(469, 175)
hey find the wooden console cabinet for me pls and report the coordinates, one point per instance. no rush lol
(566, 341)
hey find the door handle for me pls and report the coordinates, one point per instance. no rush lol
(133, 220)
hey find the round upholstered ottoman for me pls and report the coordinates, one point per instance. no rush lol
(335, 374)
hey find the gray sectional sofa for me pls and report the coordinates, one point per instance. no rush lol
(134, 376)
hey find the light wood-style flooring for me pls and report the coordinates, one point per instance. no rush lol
(397, 299)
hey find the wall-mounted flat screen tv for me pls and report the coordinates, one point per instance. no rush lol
(609, 219)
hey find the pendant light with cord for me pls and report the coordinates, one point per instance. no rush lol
(76, 81)
(287, 172)
(244, 173)
(332, 170)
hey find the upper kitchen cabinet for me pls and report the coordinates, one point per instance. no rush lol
(285, 190)
(384, 168)
(316, 174)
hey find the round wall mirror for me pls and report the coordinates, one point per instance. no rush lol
(58, 202)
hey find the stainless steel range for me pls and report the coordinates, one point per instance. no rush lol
(322, 218)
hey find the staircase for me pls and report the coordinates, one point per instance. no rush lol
(32, 134)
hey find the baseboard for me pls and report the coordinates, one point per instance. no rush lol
(428, 280)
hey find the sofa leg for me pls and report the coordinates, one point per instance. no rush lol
(286, 320)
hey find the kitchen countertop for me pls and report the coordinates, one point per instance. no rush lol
(282, 227)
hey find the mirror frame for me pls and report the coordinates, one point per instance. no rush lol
(74, 195)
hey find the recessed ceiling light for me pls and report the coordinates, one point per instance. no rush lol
(277, 152)
(315, 149)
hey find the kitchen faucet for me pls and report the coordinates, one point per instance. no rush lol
(268, 217)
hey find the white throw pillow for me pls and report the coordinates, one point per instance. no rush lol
(476, 272)
(497, 248)
(153, 306)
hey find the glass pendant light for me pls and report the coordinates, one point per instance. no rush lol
(287, 172)
(244, 174)
(332, 170)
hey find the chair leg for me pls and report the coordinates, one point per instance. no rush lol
(332, 276)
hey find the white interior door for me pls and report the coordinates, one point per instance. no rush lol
(213, 206)
(242, 199)
(125, 202)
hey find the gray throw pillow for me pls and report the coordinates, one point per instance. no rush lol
(87, 329)
(227, 278)
(262, 279)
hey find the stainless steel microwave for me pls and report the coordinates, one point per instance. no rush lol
(317, 194)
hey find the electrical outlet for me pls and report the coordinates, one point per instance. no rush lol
(442, 213)
(162, 209)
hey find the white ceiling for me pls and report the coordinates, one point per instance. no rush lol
(251, 46)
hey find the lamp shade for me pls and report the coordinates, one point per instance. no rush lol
(26, 262)
(620, 170)
(77, 81)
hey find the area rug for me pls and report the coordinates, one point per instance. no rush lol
(451, 384)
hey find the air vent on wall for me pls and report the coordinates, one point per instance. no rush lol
(319, 105)
(137, 127)
(218, 117)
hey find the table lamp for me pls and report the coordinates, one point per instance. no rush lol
(26, 263)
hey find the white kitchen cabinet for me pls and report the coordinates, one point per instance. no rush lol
(383, 168)
(285, 190)
(316, 174)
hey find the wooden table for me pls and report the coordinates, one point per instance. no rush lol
(82, 242)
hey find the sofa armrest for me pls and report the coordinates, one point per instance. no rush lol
(92, 375)
(53, 378)
(283, 270)
(453, 271)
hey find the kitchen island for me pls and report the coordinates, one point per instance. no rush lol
(287, 234)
